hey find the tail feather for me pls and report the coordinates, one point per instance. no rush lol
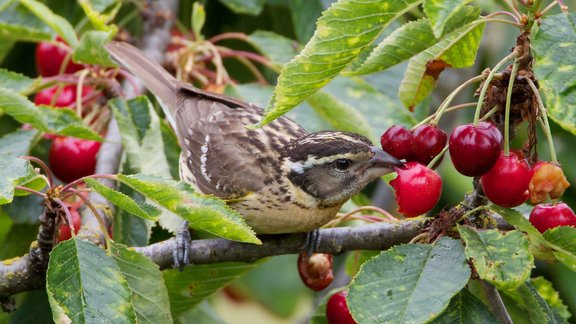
(155, 78)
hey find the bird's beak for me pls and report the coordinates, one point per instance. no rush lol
(381, 159)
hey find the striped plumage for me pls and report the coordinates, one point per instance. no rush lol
(281, 178)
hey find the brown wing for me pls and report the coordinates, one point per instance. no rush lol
(227, 159)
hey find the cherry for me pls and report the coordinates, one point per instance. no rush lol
(475, 149)
(548, 179)
(397, 141)
(418, 189)
(546, 216)
(50, 57)
(65, 232)
(428, 141)
(73, 158)
(337, 311)
(66, 96)
(506, 184)
(315, 270)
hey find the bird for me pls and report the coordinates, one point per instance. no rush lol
(279, 177)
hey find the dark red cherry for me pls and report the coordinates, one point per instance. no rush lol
(49, 59)
(418, 189)
(397, 141)
(546, 216)
(73, 158)
(475, 149)
(337, 311)
(506, 184)
(428, 141)
(65, 232)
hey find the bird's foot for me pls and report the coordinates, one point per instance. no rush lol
(311, 241)
(182, 247)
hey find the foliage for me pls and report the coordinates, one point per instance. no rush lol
(363, 67)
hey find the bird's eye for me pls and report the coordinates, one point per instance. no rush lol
(342, 164)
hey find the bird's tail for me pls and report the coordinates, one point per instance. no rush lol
(161, 83)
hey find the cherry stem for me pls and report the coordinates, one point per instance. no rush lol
(438, 157)
(93, 176)
(470, 212)
(32, 191)
(42, 165)
(544, 120)
(418, 237)
(513, 7)
(79, 88)
(503, 13)
(550, 6)
(486, 85)
(94, 211)
(348, 215)
(223, 36)
(507, 111)
(68, 215)
(490, 113)
(444, 105)
(449, 109)
(503, 21)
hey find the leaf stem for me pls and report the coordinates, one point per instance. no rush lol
(496, 303)
(44, 167)
(94, 211)
(544, 120)
(444, 105)
(93, 176)
(470, 212)
(507, 110)
(486, 85)
(503, 21)
(32, 191)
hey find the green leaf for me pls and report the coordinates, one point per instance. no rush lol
(248, 7)
(5, 46)
(556, 39)
(457, 50)
(562, 241)
(124, 202)
(341, 34)
(145, 280)
(340, 115)
(355, 259)
(13, 172)
(538, 244)
(551, 296)
(17, 82)
(440, 11)
(47, 119)
(198, 282)
(407, 41)
(408, 283)
(501, 259)
(90, 51)
(197, 20)
(94, 10)
(537, 310)
(141, 135)
(204, 212)
(303, 13)
(277, 48)
(18, 23)
(17, 143)
(62, 27)
(465, 308)
(85, 285)
(204, 313)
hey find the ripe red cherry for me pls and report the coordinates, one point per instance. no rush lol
(397, 141)
(66, 96)
(49, 59)
(65, 230)
(546, 216)
(428, 141)
(73, 158)
(316, 270)
(475, 149)
(337, 311)
(418, 189)
(506, 184)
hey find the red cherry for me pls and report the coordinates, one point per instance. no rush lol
(506, 184)
(475, 149)
(316, 270)
(397, 141)
(546, 216)
(418, 189)
(73, 158)
(428, 141)
(337, 311)
(66, 96)
(49, 59)
(65, 230)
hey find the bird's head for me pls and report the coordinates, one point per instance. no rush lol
(332, 166)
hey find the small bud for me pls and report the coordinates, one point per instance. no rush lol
(315, 270)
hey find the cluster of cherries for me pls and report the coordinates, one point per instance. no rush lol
(475, 151)
(70, 158)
